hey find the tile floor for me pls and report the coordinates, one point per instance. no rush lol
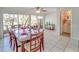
(55, 43)
(52, 42)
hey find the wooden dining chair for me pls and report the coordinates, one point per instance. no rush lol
(34, 44)
(42, 38)
(13, 42)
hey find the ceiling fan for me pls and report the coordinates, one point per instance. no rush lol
(40, 9)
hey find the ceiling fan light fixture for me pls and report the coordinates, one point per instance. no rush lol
(40, 9)
(37, 11)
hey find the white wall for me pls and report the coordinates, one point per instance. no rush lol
(53, 17)
(75, 23)
(75, 27)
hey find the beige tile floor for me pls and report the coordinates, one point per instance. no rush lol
(52, 42)
(55, 43)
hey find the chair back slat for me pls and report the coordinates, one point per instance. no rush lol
(35, 42)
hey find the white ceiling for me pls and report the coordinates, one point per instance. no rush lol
(26, 10)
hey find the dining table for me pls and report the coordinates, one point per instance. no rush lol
(26, 37)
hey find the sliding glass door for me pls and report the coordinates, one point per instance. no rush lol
(9, 22)
(16, 21)
(37, 21)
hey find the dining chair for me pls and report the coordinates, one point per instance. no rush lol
(13, 41)
(35, 43)
(42, 38)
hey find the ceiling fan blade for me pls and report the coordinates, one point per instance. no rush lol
(43, 9)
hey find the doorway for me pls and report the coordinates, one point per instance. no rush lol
(65, 22)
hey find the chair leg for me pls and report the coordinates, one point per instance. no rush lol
(10, 43)
(40, 47)
(42, 44)
(22, 48)
(13, 47)
(16, 49)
